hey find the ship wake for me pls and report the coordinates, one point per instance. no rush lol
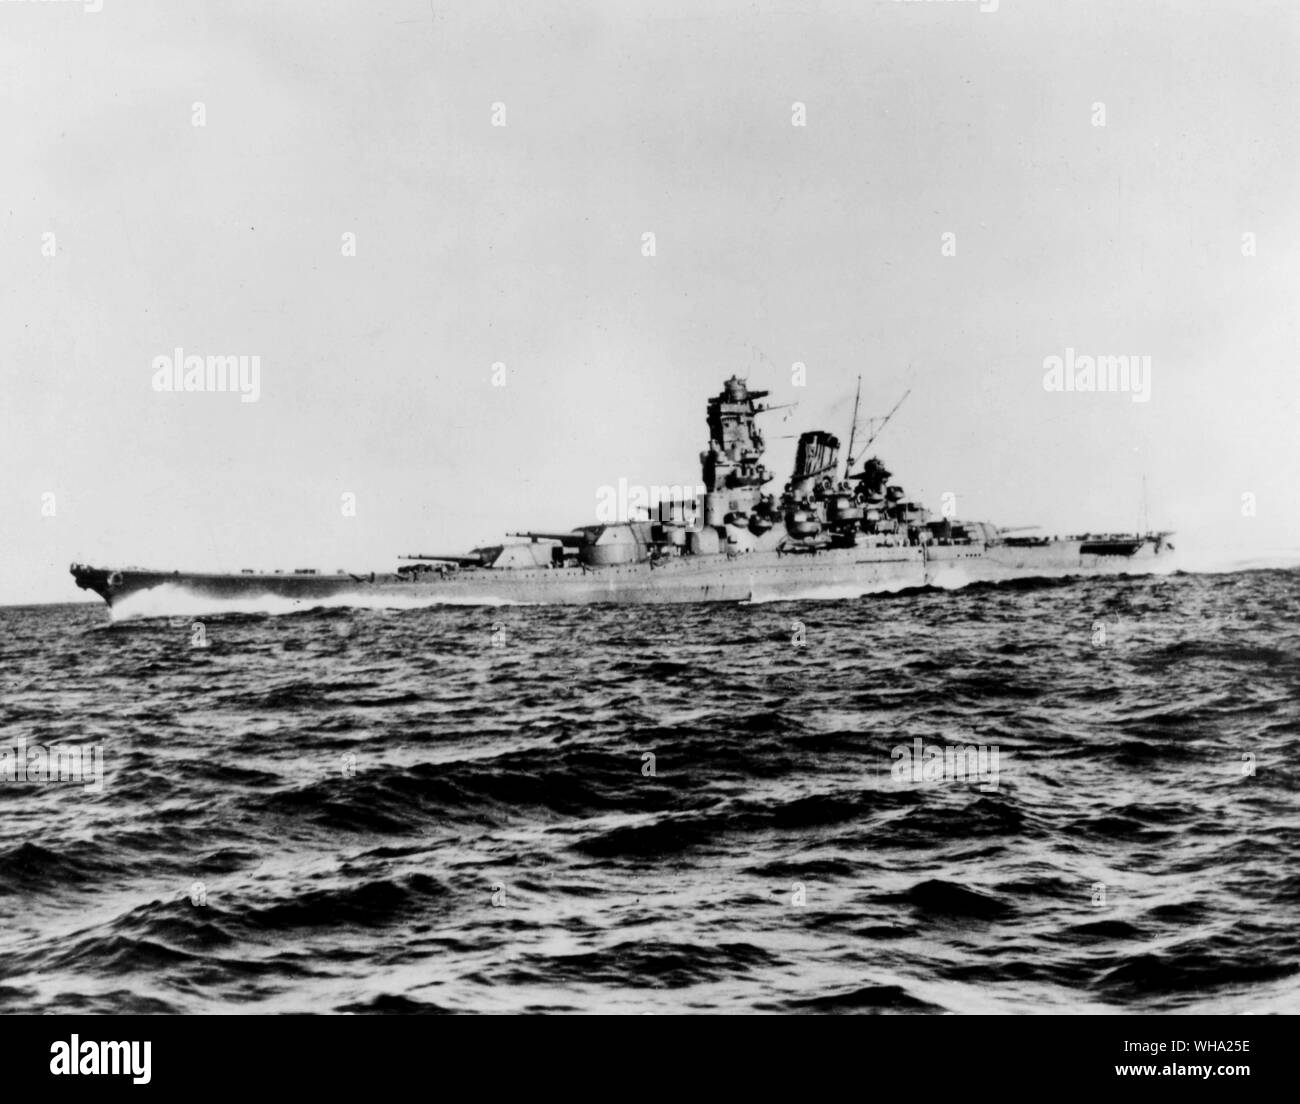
(832, 593)
(170, 600)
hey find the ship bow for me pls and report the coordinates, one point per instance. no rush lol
(98, 579)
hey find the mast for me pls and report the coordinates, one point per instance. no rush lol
(848, 461)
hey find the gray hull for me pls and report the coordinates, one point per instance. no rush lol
(756, 576)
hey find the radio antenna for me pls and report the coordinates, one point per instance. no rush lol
(885, 420)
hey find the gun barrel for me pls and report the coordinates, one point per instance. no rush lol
(563, 538)
(472, 559)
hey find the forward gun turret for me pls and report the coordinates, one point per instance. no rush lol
(477, 557)
(563, 538)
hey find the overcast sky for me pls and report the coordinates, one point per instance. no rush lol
(522, 244)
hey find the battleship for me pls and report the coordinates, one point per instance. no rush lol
(828, 534)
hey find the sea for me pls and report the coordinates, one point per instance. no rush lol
(1068, 796)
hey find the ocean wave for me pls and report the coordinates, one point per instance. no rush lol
(691, 808)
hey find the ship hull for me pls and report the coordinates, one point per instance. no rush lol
(757, 577)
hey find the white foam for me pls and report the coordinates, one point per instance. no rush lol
(830, 593)
(950, 578)
(1227, 562)
(172, 600)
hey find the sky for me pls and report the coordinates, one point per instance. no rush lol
(972, 193)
